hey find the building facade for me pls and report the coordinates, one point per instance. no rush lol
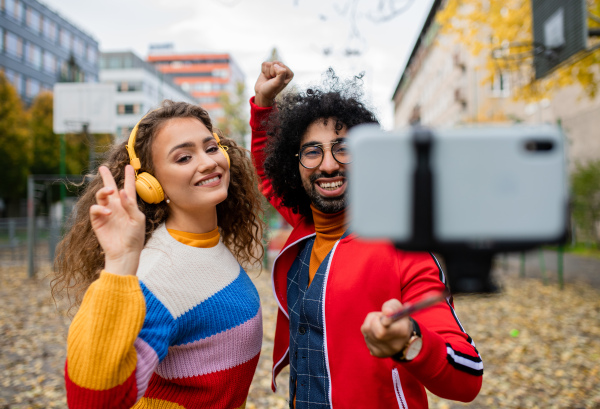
(38, 48)
(204, 75)
(444, 84)
(140, 88)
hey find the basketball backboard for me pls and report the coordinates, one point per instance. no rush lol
(560, 29)
(78, 103)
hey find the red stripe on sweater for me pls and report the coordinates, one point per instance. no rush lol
(121, 396)
(224, 389)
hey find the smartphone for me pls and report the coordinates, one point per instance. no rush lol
(492, 187)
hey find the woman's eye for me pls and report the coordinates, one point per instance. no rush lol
(183, 159)
(212, 149)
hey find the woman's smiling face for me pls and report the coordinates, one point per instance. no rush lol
(189, 165)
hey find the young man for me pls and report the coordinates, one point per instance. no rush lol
(336, 291)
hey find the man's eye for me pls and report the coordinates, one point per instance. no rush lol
(341, 148)
(312, 153)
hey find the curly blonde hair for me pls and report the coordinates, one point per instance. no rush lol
(79, 256)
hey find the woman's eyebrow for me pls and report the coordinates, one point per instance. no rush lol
(182, 145)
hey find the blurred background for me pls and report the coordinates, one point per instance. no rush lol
(429, 62)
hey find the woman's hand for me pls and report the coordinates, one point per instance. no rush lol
(274, 77)
(118, 223)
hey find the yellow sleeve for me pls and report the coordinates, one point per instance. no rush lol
(100, 344)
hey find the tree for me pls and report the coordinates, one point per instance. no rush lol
(46, 144)
(586, 200)
(15, 149)
(235, 122)
(497, 27)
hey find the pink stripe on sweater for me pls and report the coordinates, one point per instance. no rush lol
(214, 353)
(147, 360)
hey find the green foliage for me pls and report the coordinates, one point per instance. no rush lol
(15, 149)
(235, 123)
(586, 200)
(46, 144)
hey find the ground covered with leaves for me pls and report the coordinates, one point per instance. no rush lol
(540, 345)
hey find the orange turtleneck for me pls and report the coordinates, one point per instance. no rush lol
(202, 240)
(329, 228)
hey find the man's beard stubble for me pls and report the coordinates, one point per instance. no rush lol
(328, 205)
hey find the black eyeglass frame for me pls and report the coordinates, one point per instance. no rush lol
(320, 146)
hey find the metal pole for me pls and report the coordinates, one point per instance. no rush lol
(63, 174)
(561, 279)
(522, 274)
(12, 237)
(543, 267)
(30, 226)
(92, 153)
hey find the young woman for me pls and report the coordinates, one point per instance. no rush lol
(169, 318)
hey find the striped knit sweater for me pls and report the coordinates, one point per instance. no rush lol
(185, 332)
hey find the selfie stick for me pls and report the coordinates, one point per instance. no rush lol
(412, 308)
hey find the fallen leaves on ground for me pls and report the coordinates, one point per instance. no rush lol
(540, 345)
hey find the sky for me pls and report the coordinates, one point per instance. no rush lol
(310, 35)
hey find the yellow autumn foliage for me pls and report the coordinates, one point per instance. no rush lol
(501, 30)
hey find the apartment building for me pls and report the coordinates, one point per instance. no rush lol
(140, 88)
(204, 75)
(39, 47)
(444, 84)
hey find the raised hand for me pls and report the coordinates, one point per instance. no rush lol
(274, 77)
(118, 223)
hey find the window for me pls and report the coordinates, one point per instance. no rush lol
(49, 62)
(124, 109)
(49, 29)
(78, 47)
(129, 86)
(33, 55)
(65, 39)
(33, 19)
(91, 54)
(14, 45)
(32, 87)
(220, 73)
(202, 86)
(14, 9)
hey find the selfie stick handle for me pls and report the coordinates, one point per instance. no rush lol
(423, 189)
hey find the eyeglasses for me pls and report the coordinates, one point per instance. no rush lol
(311, 156)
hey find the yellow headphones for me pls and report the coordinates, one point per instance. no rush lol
(146, 185)
(224, 149)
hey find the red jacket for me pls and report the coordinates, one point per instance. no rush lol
(362, 275)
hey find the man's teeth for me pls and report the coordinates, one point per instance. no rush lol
(331, 185)
(204, 182)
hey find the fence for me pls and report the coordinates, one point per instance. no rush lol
(14, 242)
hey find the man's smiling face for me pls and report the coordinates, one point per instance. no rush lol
(326, 184)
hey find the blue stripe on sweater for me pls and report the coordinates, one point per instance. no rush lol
(229, 307)
(158, 324)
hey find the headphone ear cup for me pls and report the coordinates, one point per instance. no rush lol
(148, 188)
(226, 155)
